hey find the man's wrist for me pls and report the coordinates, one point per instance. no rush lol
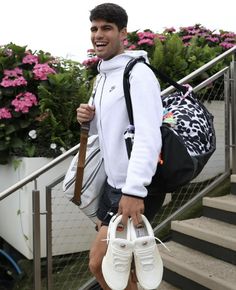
(134, 196)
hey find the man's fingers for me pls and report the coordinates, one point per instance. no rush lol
(85, 113)
(124, 219)
(137, 219)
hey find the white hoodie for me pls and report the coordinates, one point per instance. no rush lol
(111, 121)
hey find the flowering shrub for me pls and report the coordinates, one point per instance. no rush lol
(90, 63)
(177, 53)
(38, 98)
(147, 39)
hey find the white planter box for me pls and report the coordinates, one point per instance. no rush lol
(72, 231)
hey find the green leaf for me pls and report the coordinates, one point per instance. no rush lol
(16, 163)
(3, 146)
(10, 129)
(30, 150)
(24, 123)
(17, 143)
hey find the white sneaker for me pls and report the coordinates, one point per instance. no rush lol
(116, 263)
(148, 262)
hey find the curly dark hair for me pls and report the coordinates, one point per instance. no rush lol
(110, 12)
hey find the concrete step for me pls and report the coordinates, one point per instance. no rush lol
(226, 202)
(195, 267)
(222, 208)
(212, 237)
(207, 229)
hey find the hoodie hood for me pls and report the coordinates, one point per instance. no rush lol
(120, 60)
(137, 53)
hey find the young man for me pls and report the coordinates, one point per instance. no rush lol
(125, 191)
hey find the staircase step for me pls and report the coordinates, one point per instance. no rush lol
(222, 208)
(226, 202)
(197, 268)
(209, 236)
(210, 230)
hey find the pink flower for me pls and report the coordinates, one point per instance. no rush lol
(7, 82)
(24, 101)
(229, 39)
(90, 61)
(13, 78)
(213, 39)
(125, 42)
(229, 34)
(146, 34)
(13, 72)
(226, 45)
(41, 71)
(132, 47)
(146, 41)
(187, 37)
(30, 58)
(5, 113)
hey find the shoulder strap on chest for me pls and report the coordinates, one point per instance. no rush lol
(158, 73)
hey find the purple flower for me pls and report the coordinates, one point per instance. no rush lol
(227, 45)
(213, 39)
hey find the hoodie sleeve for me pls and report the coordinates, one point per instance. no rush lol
(147, 112)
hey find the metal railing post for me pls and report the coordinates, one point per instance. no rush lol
(49, 237)
(49, 230)
(233, 113)
(36, 239)
(227, 120)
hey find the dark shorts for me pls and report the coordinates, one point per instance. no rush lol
(109, 202)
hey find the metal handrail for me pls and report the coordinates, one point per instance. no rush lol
(211, 79)
(74, 149)
(38, 172)
(201, 69)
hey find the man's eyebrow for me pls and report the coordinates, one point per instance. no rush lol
(107, 25)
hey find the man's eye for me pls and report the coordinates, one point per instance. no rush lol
(107, 28)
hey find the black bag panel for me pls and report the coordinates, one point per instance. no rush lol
(202, 160)
(188, 145)
(178, 167)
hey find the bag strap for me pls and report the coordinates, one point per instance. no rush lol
(84, 130)
(81, 163)
(158, 73)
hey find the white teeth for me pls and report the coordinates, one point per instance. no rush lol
(100, 43)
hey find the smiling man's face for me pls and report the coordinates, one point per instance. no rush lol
(106, 38)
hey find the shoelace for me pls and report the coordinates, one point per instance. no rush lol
(121, 260)
(162, 243)
(146, 255)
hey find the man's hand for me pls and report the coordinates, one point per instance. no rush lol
(85, 113)
(131, 207)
